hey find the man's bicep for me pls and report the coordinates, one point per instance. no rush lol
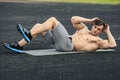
(79, 25)
(103, 44)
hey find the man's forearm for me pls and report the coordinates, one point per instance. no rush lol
(111, 40)
(78, 19)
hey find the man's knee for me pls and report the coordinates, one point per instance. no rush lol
(54, 20)
(37, 24)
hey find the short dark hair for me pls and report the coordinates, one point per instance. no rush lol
(101, 22)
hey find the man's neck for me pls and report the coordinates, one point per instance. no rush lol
(92, 34)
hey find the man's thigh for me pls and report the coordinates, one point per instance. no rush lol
(61, 38)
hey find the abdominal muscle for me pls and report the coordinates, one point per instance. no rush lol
(84, 43)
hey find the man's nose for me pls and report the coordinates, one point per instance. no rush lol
(95, 29)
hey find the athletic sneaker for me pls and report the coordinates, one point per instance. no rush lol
(14, 47)
(24, 32)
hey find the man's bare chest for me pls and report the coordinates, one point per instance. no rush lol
(87, 38)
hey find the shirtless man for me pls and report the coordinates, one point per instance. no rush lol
(82, 40)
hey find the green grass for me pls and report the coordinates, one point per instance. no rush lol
(84, 1)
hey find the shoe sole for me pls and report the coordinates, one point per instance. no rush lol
(20, 30)
(6, 45)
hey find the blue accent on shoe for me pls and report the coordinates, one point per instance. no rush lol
(20, 29)
(6, 45)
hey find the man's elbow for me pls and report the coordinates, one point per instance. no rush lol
(113, 45)
(74, 19)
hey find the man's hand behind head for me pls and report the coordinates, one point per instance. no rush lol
(93, 20)
(106, 28)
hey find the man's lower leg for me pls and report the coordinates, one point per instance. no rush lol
(24, 32)
(39, 29)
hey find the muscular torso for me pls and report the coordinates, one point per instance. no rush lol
(84, 41)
